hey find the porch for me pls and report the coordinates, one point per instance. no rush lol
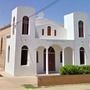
(50, 59)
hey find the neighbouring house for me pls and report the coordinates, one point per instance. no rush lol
(36, 45)
(4, 32)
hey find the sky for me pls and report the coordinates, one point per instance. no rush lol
(55, 12)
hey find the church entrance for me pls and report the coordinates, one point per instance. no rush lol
(51, 59)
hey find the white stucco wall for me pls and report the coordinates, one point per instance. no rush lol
(69, 26)
(66, 36)
(60, 32)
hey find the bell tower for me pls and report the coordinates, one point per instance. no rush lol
(76, 25)
(22, 33)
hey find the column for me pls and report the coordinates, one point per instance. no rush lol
(73, 57)
(34, 61)
(63, 62)
(47, 62)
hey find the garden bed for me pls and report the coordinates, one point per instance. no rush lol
(69, 74)
(63, 79)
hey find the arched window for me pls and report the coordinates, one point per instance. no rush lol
(37, 55)
(54, 32)
(13, 24)
(24, 55)
(60, 56)
(49, 30)
(25, 25)
(82, 55)
(8, 53)
(1, 44)
(42, 31)
(80, 28)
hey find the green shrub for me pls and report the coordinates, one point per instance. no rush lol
(73, 70)
(85, 69)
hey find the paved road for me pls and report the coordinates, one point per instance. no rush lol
(67, 87)
(15, 83)
(8, 82)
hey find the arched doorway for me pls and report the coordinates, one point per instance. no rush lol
(82, 55)
(51, 59)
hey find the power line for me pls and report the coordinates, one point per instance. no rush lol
(43, 9)
(48, 6)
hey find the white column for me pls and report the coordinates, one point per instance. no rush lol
(34, 61)
(47, 62)
(63, 62)
(85, 57)
(73, 57)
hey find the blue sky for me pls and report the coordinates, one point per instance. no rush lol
(55, 12)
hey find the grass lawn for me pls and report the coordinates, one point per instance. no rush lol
(29, 87)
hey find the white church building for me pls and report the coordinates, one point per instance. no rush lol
(40, 46)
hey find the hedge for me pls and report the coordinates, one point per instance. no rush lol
(73, 70)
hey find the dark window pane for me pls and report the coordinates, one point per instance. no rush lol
(80, 27)
(24, 55)
(37, 56)
(82, 55)
(13, 24)
(49, 30)
(42, 31)
(54, 32)
(25, 25)
(61, 57)
(1, 45)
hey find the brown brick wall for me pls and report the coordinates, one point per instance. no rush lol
(3, 33)
(63, 79)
